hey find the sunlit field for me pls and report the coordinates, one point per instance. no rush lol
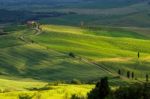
(16, 90)
(74, 49)
(44, 56)
(99, 51)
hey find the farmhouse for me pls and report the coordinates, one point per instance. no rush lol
(31, 23)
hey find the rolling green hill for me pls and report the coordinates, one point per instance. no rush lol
(98, 51)
(77, 42)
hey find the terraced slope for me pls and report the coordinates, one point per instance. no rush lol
(99, 52)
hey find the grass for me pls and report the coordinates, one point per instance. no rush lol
(56, 92)
(47, 58)
(15, 85)
(97, 43)
(100, 51)
(12, 89)
(42, 58)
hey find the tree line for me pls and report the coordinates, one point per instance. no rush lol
(131, 74)
(102, 90)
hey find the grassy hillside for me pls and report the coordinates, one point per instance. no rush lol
(30, 59)
(101, 43)
(20, 57)
(81, 40)
(99, 52)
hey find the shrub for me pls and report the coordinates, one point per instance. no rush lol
(75, 81)
(25, 96)
(56, 83)
(74, 96)
(40, 89)
(72, 55)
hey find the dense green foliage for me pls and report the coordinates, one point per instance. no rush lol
(132, 92)
(101, 90)
(135, 91)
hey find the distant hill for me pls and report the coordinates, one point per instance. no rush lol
(83, 3)
(123, 13)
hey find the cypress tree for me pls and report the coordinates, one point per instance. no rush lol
(138, 54)
(119, 72)
(101, 91)
(132, 75)
(146, 77)
(128, 74)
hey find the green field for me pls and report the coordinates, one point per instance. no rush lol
(77, 43)
(41, 57)
(62, 91)
(46, 55)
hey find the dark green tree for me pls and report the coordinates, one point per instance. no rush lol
(136, 91)
(147, 78)
(101, 91)
(132, 75)
(128, 74)
(138, 54)
(72, 55)
(119, 72)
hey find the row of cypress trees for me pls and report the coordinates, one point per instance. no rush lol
(130, 74)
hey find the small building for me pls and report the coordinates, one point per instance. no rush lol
(31, 23)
